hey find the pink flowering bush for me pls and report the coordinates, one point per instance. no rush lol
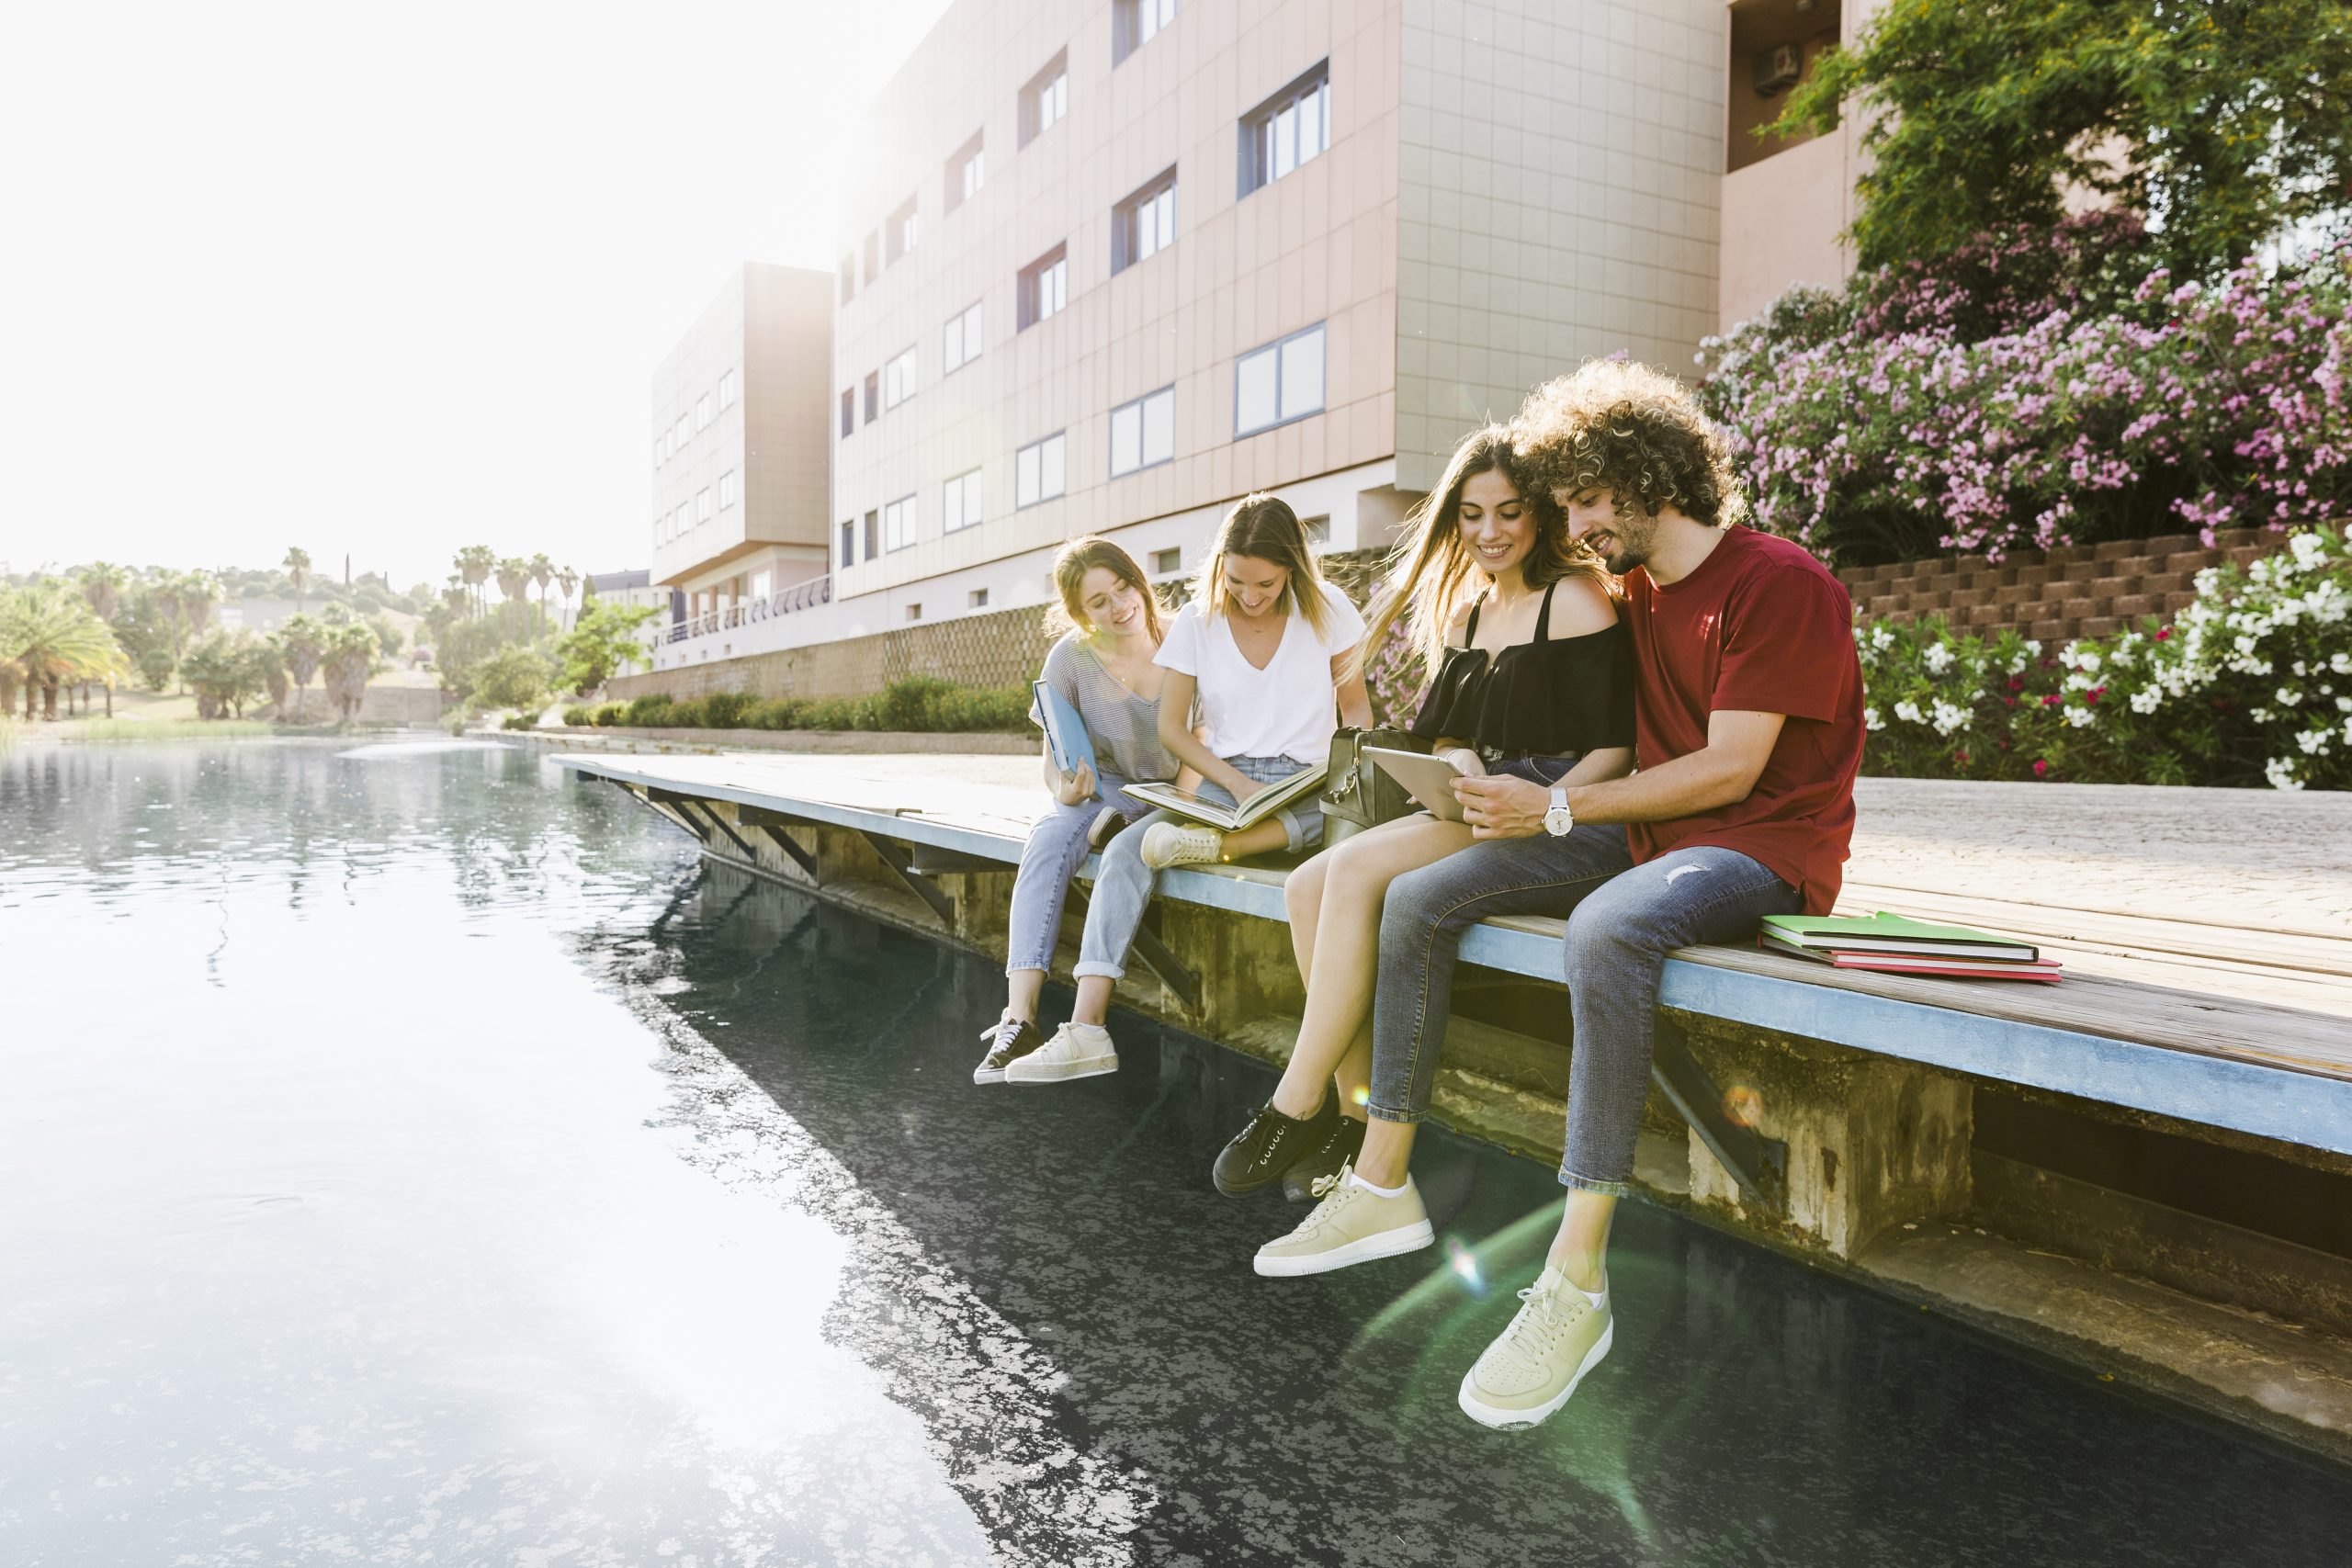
(2250, 685)
(2018, 395)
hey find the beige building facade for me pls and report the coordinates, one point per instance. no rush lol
(742, 465)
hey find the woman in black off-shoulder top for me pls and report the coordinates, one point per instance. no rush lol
(1534, 678)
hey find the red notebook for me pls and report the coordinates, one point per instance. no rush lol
(2043, 969)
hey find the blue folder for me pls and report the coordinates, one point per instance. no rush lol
(1065, 733)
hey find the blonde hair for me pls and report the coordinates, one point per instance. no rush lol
(1082, 555)
(1431, 574)
(1263, 527)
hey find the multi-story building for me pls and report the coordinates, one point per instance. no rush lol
(740, 455)
(632, 590)
(1113, 263)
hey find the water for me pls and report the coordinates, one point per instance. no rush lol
(412, 1155)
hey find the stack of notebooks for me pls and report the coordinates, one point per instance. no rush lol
(1894, 945)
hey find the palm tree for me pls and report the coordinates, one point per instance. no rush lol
(542, 573)
(567, 580)
(102, 585)
(50, 635)
(297, 571)
(474, 563)
(513, 577)
(304, 642)
(199, 594)
(351, 659)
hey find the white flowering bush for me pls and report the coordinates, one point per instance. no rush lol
(2250, 685)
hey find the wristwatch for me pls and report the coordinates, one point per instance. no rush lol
(1559, 819)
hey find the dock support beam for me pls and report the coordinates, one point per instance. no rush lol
(894, 855)
(1758, 1164)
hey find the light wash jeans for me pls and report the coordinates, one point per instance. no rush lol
(1056, 845)
(1124, 884)
(1622, 920)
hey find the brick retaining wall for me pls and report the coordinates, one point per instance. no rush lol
(2077, 590)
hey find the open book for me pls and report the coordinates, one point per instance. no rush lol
(1231, 819)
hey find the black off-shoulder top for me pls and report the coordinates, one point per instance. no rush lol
(1535, 699)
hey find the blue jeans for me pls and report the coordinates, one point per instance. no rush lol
(1056, 848)
(1622, 920)
(1123, 883)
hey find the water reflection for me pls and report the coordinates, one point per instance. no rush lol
(414, 1155)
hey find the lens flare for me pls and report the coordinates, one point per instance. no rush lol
(1360, 1095)
(1464, 1265)
(1743, 1105)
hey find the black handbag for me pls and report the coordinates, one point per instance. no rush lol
(1358, 793)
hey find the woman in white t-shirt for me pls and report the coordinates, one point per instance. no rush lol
(1258, 660)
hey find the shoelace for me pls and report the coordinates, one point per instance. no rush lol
(1544, 1323)
(1000, 1034)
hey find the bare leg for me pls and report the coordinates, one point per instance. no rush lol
(1347, 949)
(1302, 901)
(1257, 838)
(1580, 1250)
(1387, 1151)
(1093, 999)
(1022, 989)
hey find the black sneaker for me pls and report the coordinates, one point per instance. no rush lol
(1272, 1143)
(1339, 1147)
(1007, 1038)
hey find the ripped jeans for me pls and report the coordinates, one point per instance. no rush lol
(1622, 920)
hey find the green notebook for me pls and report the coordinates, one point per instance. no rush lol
(1883, 932)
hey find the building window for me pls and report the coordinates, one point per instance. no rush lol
(873, 257)
(1144, 431)
(1167, 560)
(899, 523)
(1279, 382)
(914, 612)
(1286, 130)
(703, 510)
(680, 434)
(899, 234)
(849, 543)
(977, 599)
(849, 409)
(763, 584)
(658, 453)
(1045, 286)
(849, 276)
(960, 501)
(1135, 23)
(963, 340)
(1045, 99)
(1316, 529)
(872, 396)
(1145, 223)
(727, 496)
(727, 390)
(899, 379)
(966, 173)
(873, 535)
(1038, 471)
(704, 412)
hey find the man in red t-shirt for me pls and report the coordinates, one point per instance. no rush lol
(1748, 733)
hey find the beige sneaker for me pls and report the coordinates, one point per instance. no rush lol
(1528, 1373)
(1351, 1224)
(1170, 843)
(1076, 1051)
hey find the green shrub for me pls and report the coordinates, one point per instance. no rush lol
(607, 714)
(777, 713)
(521, 721)
(579, 714)
(728, 710)
(920, 703)
(2251, 685)
(648, 711)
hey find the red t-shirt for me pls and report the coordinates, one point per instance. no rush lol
(1761, 627)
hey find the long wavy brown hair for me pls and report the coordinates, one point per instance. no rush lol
(1082, 555)
(1263, 527)
(1433, 574)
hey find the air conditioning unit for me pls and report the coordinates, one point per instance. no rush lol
(1777, 69)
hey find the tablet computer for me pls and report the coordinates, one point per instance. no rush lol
(1429, 780)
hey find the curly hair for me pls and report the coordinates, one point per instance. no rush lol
(1635, 431)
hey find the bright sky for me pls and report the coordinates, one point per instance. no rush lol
(387, 282)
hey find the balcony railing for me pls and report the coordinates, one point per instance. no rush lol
(805, 595)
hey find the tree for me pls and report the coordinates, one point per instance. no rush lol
(567, 580)
(604, 637)
(2224, 122)
(228, 671)
(304, 644)
(273, 670)
(297, 571)
(513, 678)
(514, 578)
(474, 563)
(48, 636)
(102, 585)
(542, 573)
(350, 660)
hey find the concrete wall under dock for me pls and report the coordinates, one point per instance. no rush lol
(2030, 1214)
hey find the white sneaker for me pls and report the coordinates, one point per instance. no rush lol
(1170, 843)
(1352, 1224)
(1076, 1051)
(1557, 1337)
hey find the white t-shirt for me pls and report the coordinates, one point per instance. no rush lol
(1288, 708)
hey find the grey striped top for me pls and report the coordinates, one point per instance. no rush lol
(1123, 726)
